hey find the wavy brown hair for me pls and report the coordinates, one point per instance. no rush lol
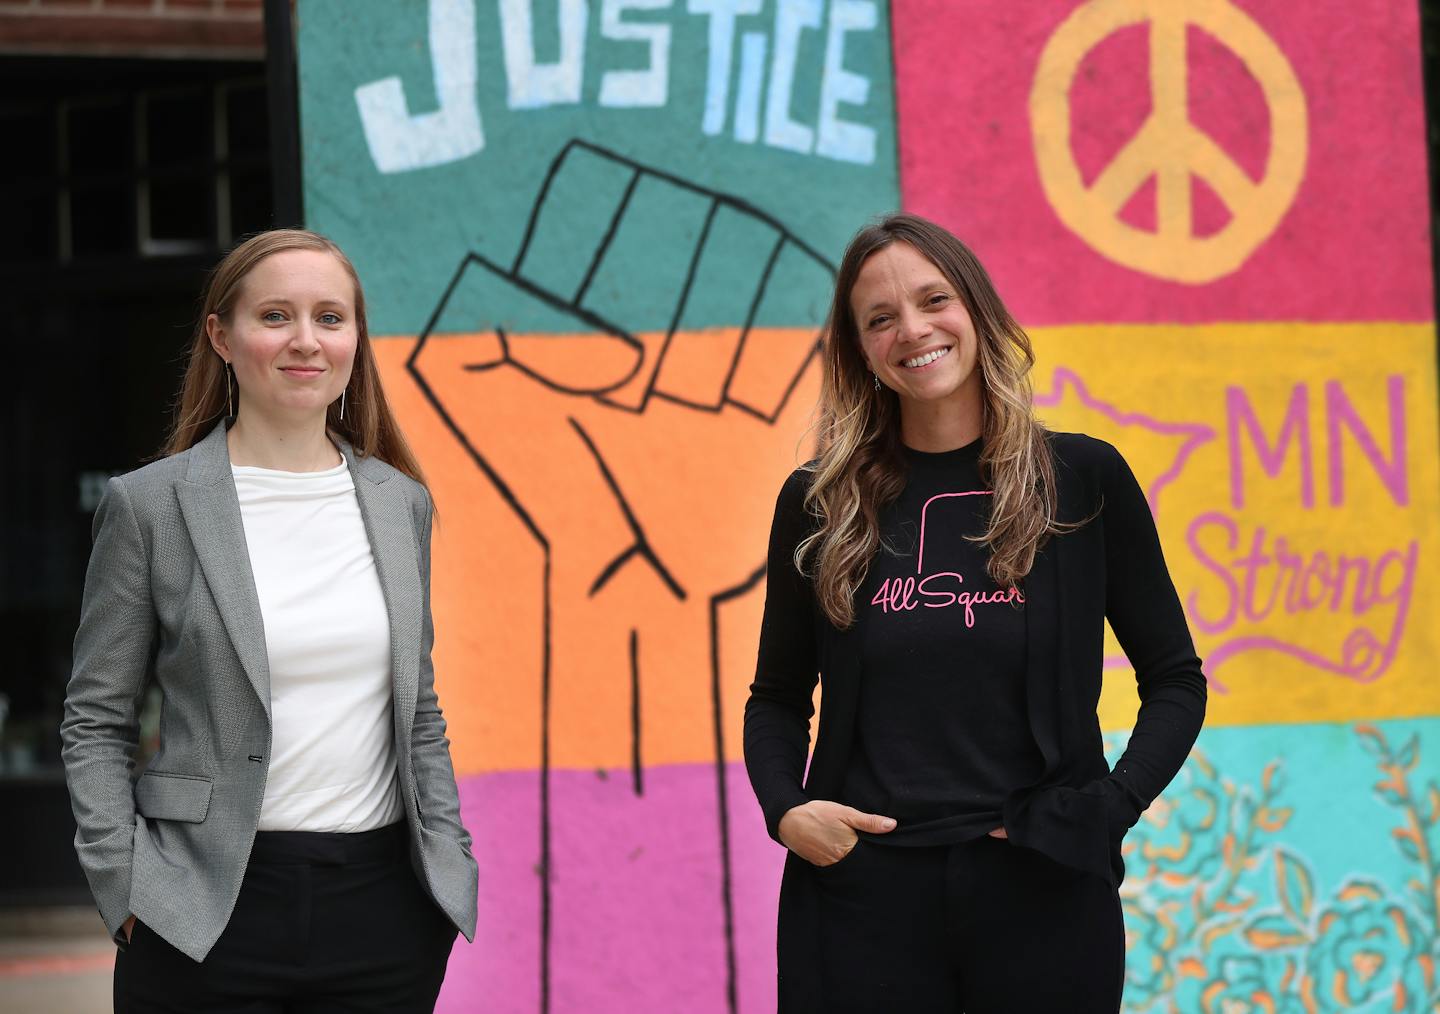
(369, 425)
(861, 467)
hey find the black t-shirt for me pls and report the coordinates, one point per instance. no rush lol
(942, 735)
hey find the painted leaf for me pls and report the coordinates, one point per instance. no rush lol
(1244, 808)
(1409, 753)
(1270, 779)
(1288, 977)
(1193, 968)
(1273, 932)
(1240, 904)
(1234, 906)
(1274, 819)
(1405, 840)
(1373, 740)
(1360, 889)
(1295, 886)
(1390, 792)
(1215, 931)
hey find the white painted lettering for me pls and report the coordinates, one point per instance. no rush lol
(792, 17)
(634, 89)
(399, 140)
(722, 45)
(537, 85)
(836, 138)
(764, 95)
(752, 80)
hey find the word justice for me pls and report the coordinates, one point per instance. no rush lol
(769, 66)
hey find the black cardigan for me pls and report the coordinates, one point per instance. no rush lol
(1110, 568)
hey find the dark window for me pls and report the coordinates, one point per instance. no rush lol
(133, 158)
(122, 182)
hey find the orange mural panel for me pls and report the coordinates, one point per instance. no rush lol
(640, 544)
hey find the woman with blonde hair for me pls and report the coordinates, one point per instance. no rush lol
(946, 568)
(295, 843)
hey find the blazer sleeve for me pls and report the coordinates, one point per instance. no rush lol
(781, 702)
(114, 648)
(430, 748)
(1145, 613)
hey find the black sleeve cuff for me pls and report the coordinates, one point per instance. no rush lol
(776, 808)
(1080, 828)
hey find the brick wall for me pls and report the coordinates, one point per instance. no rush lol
(217, 29)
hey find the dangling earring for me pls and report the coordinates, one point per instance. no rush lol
(342, 404)
(229, 402)
(875, 377)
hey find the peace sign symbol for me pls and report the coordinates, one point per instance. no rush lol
(1168, 146)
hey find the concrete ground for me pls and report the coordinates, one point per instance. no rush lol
(54, 961)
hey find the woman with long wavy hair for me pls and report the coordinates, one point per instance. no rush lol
(945, 568)
(295, 843)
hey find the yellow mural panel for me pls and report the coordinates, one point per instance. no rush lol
(1292, 471)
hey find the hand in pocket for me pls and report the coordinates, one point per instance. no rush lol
(823, 833)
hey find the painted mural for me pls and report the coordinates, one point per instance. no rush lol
(598, 238)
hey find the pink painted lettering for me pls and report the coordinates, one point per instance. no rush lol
(1271, 577)
(1231, 596)
(1339, 410)
(1272, 456)
(1341, 417)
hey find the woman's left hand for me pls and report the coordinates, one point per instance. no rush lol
(999, 832)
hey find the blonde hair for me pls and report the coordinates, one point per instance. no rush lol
(861, 466)
(369, 425)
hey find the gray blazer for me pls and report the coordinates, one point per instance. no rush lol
(169, 597)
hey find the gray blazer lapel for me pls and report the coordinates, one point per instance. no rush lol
(390, 525)
(211, 509)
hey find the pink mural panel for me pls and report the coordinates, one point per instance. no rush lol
(630, 894)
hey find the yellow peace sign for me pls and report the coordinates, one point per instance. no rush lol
(1168, 146)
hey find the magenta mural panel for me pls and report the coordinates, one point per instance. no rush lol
(623, 886)
(1293, 185)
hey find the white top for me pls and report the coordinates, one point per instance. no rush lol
(327, 636)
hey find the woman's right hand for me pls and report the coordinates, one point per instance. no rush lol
(821, 832)
(127, 927)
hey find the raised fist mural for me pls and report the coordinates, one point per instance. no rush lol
(636, 458)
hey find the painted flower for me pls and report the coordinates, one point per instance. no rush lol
(1244, 987)
(1179, 838)
(1369, 956)
(1150, 938)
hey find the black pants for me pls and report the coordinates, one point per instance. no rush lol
(983, 927)
(324, 923)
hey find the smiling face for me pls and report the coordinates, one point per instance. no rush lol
(915, 332)
(290, 335)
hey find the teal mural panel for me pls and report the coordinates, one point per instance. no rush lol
(435, 129)
(1291, 869)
